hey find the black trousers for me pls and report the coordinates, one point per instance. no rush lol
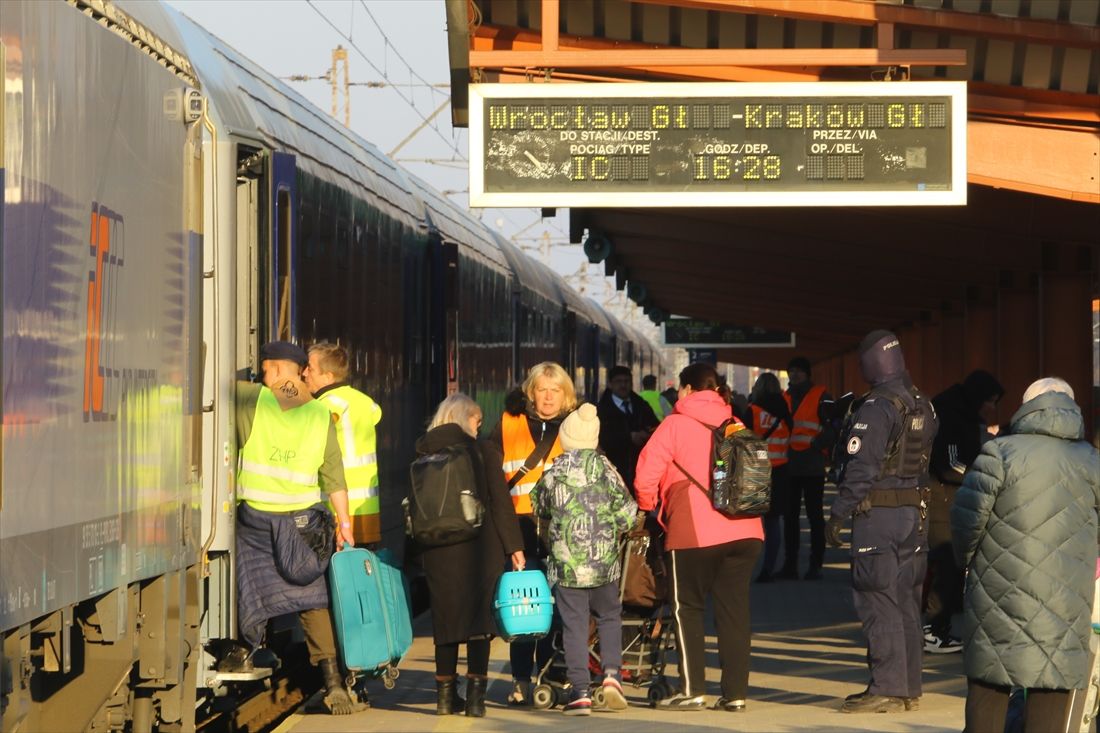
(945, 596)
(529, 657)
(723, 573)
(812, 490)
(987, 705)
(477, 658)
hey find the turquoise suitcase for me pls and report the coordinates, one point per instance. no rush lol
(370, 610)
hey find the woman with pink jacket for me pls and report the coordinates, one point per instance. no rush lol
(709, 553)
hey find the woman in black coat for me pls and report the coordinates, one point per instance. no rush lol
(462, 577)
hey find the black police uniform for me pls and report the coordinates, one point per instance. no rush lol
(881, 484)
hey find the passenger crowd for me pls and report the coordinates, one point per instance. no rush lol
(951, 514)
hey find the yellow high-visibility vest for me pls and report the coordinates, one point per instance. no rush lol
(278, 466)
(356, 416)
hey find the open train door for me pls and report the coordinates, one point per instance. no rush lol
(266, 232)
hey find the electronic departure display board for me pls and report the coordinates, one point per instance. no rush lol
(701, 333)
(720, 144)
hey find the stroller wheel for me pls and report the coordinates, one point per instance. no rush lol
(543, 697)
(658, 691)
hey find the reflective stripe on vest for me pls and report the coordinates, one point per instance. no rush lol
(778, 441)
(278, 465)
(807, 425)
(356, 416)
(518, 445)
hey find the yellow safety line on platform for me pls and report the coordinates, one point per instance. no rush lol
(288, 725)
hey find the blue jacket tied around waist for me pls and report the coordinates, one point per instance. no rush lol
(281, 564)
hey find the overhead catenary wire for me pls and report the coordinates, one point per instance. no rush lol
(383, 74)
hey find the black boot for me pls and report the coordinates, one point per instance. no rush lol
(475, 696)
(336, 699)
(447, 701)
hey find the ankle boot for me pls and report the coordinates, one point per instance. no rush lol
(447, 701)
(475, 696)
(336, 699)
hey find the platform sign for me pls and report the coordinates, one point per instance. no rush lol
(697, 333)
(718, 144)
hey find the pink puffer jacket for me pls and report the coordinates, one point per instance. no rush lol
(686, 512)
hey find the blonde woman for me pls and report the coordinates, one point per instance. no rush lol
(528, 436)
(462, 577)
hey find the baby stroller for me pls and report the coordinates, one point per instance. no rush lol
(647, 627)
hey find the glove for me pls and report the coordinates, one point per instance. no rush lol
(832, 532)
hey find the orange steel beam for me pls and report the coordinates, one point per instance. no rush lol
(862, 12)
(550, 14)
(491, 38)
(590, 59)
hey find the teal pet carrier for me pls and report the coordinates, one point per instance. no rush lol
(524, 606)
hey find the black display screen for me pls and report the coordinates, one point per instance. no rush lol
(766, 145)
(697, 332)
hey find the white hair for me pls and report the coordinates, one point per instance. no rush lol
(457, 409)
(1047, 384)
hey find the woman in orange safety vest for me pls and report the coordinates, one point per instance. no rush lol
(528, 434)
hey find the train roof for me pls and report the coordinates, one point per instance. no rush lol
(252, 103)
(530, 274)
(456, 224)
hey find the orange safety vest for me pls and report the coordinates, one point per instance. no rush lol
(780, 438)
(807, 424)
(518, 445)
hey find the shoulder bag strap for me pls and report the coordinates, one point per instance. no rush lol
(537, 455)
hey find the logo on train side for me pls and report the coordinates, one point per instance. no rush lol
(105, 239)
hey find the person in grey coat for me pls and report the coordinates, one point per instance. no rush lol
(1024, 524)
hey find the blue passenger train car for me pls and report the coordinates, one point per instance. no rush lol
(168, 207)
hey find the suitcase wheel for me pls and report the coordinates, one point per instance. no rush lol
(393, 672)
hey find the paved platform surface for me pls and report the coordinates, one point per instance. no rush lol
(807, 654)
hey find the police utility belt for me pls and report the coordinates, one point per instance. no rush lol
(889, 498)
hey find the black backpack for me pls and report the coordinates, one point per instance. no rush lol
(741, 472)
(444, 506)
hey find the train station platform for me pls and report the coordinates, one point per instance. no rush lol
(807, 654)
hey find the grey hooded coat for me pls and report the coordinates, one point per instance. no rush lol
(1024, 524)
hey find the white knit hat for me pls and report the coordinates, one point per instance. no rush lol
(581, 429)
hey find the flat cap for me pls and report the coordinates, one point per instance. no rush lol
(284, 351)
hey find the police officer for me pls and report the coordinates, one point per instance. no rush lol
(355, 415)
(883, 487)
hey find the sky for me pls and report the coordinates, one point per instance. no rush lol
(403, 45)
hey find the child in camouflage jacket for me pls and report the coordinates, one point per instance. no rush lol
(589, 507)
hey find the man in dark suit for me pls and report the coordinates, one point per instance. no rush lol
(626, 422)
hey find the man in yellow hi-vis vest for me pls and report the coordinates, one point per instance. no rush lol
(289, 458)
(355, 416)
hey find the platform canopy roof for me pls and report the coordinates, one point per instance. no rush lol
(1032, 69)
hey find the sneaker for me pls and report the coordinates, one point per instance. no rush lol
(520, 696)
(730, 706)
(940, 645)
(579, 706)
(868, 703)
(613, 697)
(680, 701)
